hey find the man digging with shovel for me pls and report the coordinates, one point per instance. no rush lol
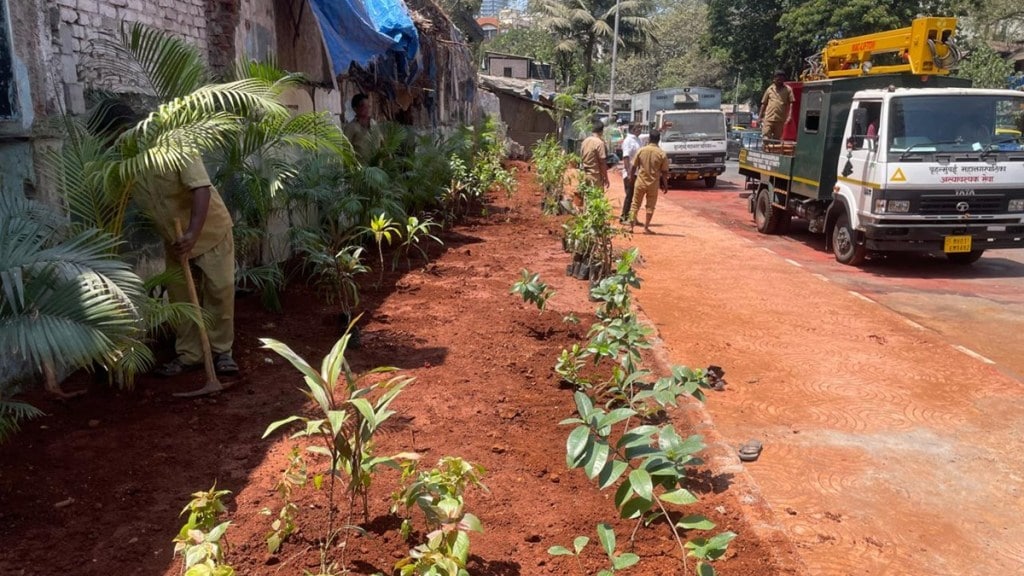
(206, 245)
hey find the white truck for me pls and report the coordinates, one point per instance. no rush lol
(695, 143)
(896, 158)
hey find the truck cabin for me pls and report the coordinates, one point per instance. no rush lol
(920, 125)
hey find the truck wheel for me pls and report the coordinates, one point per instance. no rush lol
(844, 243)
(710, 181)
(768, 218)
(965, 258)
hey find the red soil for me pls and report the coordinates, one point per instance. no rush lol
(95, 487)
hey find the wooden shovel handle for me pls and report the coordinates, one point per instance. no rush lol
(211, 374)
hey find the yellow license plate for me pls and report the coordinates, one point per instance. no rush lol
(955, 244)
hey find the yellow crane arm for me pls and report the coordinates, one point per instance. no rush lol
(923, 48)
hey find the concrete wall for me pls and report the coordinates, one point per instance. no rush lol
(520, 68)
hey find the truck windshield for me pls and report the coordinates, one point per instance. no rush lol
(955, 123)
(693, 127)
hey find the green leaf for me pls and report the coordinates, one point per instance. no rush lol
(695, 522)
(461, 548)
(704, 569)
(681, 497)
(606, 535)
(625, 561)
(579, 543)
(576, 445)
(635, 507)
(275, 425)
(559, 551)
(583, 405)
(642, 485)
(365, 410)
(610, 474)
(598, 458)
(615, 416)
(471, 523)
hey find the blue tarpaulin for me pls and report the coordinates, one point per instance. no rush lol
(359, 31)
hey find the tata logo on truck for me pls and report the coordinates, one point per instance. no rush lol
(965, 192)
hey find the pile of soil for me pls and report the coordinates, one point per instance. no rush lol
(96, 486)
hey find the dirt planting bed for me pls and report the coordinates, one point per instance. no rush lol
(96, 486)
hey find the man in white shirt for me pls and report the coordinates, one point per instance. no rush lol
(630, 146)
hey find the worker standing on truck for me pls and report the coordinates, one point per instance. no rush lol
(776, 107)
(649, 168)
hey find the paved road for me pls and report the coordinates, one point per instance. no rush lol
(979, 309)
(884, 397)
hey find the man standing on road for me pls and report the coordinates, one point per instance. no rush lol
(649, 168)
(630, 146)
(776, 107)
(594, 157)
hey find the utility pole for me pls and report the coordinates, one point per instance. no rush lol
(615, 46)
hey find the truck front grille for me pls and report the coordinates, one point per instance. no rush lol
(700, 158)
(953, 205)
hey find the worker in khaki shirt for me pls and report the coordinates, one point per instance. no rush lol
(776, 107)
(649, 169)
(594, 157)
(188, 196)
(362, 131)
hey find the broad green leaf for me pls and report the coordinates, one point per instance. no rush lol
(611, 473)
(681, 497)
(625, 561)
(623, 493)
(583, 405)
(722, 540)
(461, 548)
(695, 522)
(559, 551)
(641, 435)
(635, 507)
(580, 543)
(218, 532)
(471, 523)
(576, 445)
(607, 537)
(615, 416)
(641, 482)
(598, 458)
(704, 569)
(570, 421)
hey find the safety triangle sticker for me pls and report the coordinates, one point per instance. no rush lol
(898, 176)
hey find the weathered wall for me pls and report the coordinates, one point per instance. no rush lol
(519, 68)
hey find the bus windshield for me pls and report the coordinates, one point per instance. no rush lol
(955, 123)
(693, 126)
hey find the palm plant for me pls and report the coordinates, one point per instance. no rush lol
(584, 26)
(66, 301)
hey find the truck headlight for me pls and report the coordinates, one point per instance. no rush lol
(1016, 205)
(892, 206)
(719, 159)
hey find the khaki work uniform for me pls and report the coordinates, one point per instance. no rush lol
(651, 162)
(592, 150)
(776, 102)
(168, 197)
(365, 141)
